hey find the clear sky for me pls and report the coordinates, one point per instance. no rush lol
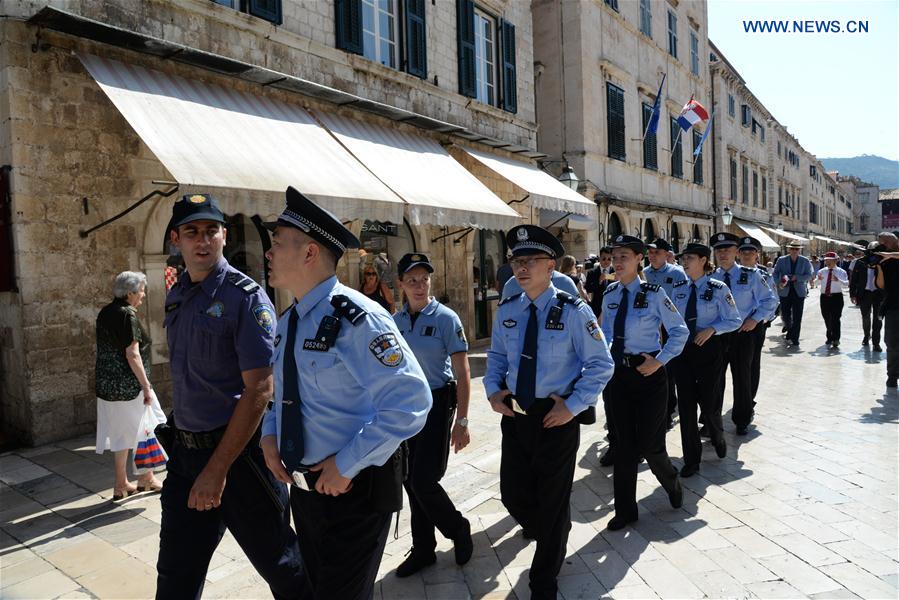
(836, 92)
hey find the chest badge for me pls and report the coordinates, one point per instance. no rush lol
(510, 323)
(216, 309)
(612, 306)
(277, 340)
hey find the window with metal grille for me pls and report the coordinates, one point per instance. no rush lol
(615, 121)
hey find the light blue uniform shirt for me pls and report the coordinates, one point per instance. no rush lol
(715, 305)
(754, 297)
(666, 277)
(361, 397)
(641, 325)
(769, 278)
(573, 359)
(436, 335)
(562, 282)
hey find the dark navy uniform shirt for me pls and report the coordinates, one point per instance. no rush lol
(436, 335)
(216, 328)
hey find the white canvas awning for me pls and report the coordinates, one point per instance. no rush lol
(837, 242)
(437, 189)
(211, 136)
(545, 191)
(755, 231)
(571, 221)
(787, 234)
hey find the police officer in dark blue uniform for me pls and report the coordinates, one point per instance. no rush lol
(632, 313)
(749, 249)
(709, 311)
(547, 363)
(348, 392)
(436, 336)
(220, 327)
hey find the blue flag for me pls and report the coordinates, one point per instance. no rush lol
(653, 126)
(705, 134)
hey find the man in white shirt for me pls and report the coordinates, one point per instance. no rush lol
(832, 280)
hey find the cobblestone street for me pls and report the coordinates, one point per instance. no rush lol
(804, 506)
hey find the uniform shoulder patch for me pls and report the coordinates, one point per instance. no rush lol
(612, 287)
(346, 308)
(510, 298)
(243, 282)
(460, 333)
(716, 284)
(730, 300)
(594, 330)
(265, 317)
(650, 287)
(670, 305)
(386, 348)
(679, 283)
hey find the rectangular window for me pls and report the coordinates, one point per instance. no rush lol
(613, 4)
(733, 180)
(762, 134)
(755, 188)
(645, 18)
(615, 121)
(270, 10)
(812, 170)
(672, 34)
(778, 149)
(731, 106)
(694, 53)
(780, 200)
(745, 115)
(650, 159)
(764, 192)
(485, 57)
(697, 160)
(379, 31)
(745, 184)
(677, 159)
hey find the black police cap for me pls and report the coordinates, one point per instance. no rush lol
(697, 249)
(195, 207)
(660, 244)
(629, 241)
(750, 243)
(410, 261)
(531, 239)
(316, 222)
(725, 239)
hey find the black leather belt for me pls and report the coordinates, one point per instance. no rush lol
(635, 360)
(199, 440)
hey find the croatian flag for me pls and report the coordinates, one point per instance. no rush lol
(693, 113)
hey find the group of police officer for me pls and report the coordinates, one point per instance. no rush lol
(365, 403)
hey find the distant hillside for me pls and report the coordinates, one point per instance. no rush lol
(867, 167)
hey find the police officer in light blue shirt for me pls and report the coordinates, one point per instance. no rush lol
(632, 313)
(348, 391)
(755, 302)
(560, 281)
(749, 250)
(220, 326)
(547, 363)
(436, 336)
(710, 312)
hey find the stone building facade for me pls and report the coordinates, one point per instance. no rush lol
(867, 220)
(76, 161)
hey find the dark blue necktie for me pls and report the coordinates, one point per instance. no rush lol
(727, 280)
(691, 313)
(291, 417)
(618, 330)
(526, 384)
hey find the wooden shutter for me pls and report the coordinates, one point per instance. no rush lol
(510, 81)
(465, 37)
(650, 156)
(270, 10)
(349, 25)
(416, 39)
(697, 161)
(677, 166)
(615, 121)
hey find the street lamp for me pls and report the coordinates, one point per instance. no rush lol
(727, 216)
(569, 177)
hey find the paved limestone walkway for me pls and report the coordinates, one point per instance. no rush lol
(804, 506)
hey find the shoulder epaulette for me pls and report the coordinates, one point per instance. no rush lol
(747, 269)
(243, 282)
(346, 308)
(680, 283)
(510, 298)
(762, 269)
(650, 287)
(568, 298)
(715, 283)
(612, 287)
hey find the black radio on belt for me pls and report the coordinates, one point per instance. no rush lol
(640, 300)
(707, 294)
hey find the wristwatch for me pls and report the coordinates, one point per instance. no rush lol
(462, 421)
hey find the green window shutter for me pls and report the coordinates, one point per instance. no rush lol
(349, 25)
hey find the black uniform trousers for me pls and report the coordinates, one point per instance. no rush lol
(791, 307)
(672, 381)
(639, 409)
(740, 350)
(430, 505)
(536, 474)
(832, 311)
(891, 339)
(760, 331)
(342, 539)
(699, 370)
(872, 319)
(254, 509)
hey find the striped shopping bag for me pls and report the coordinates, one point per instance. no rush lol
(149, 454)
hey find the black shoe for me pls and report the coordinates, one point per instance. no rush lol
(689, 470)
(528, 535)
(784, 329)
(721, 448)
(676, 496)
(865, 342)
(463, 545)
(836, 343)
(891, 382)
(742, 430)
(619, 522)
(877, 348)
(704, 432)
(415, 563)
(607, 459)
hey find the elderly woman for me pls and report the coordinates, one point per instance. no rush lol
(122, 380)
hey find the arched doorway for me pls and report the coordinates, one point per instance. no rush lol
(696, 236)
(649, 230)
(614, 227)
(489, 255)
(675, 237)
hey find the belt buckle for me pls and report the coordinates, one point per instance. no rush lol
(188, 440)
(517, 407)
(626, 361)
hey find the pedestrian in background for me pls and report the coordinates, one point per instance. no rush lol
(792, 272)
(832, 280)
(373, 285)
(122, 377)
(863, 292)
(888, 280)
(816, 266)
